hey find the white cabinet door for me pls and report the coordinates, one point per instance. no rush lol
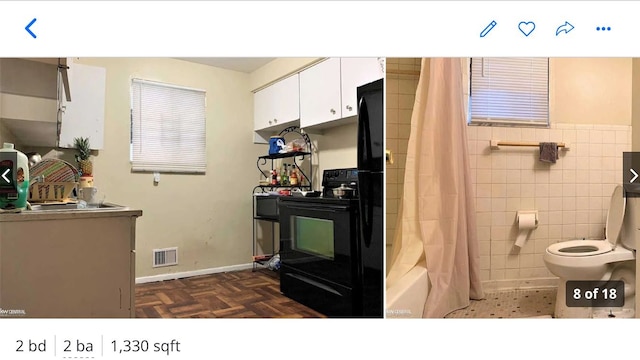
(83, 116)
(277, 105)
(356, 72)
(320, 93)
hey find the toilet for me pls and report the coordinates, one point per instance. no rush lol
(600, 260)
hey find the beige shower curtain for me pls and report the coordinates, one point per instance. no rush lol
(437, 219)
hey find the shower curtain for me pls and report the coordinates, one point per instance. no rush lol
(437, 219)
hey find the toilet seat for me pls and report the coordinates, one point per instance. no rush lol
(576, 248)
(615, 216)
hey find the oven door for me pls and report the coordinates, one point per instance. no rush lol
(319, 239)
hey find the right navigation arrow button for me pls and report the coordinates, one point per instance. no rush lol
(635, 175)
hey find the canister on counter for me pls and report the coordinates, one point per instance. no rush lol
(85, 181)
(276, 143)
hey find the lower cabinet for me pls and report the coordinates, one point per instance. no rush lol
(68, 268)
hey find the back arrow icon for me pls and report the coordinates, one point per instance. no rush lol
(566, 27)
(29, 30)
(635, 175)
(4, 176)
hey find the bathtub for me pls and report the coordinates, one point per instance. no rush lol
(406, 298)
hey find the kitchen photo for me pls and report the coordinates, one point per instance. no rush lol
(192, 187)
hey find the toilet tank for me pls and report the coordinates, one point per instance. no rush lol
(631, 223)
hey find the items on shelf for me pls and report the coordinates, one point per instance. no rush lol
(278, 179)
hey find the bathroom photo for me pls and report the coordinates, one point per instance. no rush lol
(506, 191)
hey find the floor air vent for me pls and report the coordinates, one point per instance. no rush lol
(165, 257)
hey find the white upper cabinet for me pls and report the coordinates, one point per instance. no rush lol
(321, 96)
(356, 72)
(320, 93)
(276, 107)
(328, 90)
(83, 116)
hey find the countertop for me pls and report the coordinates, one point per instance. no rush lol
(112, 210)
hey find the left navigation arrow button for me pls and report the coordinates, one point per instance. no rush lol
(28, 28)
(4, 176)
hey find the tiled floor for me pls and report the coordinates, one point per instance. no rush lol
(510, 304)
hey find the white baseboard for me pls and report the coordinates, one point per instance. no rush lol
(518, 284)
(185, 274)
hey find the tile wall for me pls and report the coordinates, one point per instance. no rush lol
(400, 95)
(571, 196)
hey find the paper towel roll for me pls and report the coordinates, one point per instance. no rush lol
(526, 223)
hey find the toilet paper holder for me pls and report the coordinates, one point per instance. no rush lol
(527, 212)
(525, 225)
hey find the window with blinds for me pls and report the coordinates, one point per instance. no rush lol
(513, 91)
(167, 128)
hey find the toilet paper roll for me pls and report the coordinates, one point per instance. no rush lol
(526, 223)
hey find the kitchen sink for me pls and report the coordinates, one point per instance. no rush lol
(74, 206)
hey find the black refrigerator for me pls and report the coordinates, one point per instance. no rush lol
(370, 193)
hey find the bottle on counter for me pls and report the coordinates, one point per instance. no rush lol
(285, 176)
(274, 177)
(278, 177)
(293, 178)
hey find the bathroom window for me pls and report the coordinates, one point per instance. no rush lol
(167, 128)
(509, 91)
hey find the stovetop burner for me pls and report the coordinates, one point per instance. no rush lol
(334, 178)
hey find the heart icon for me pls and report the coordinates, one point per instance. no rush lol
(526, 27)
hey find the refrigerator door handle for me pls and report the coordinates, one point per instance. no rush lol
(365, 153)
(366, 214)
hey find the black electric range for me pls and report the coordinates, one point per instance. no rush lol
(319, 249)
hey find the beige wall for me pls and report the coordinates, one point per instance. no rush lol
(590, 90)
(7, 136)
(635, 107)
(208, 217)
(400, 94)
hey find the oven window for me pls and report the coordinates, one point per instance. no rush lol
(313, 236)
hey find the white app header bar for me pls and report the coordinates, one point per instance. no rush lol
(319, 28)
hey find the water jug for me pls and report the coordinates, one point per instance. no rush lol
(14, 178)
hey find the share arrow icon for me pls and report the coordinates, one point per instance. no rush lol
(566, 27)
(4, 176)
(635, 176)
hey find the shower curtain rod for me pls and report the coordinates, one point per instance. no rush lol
(403, 72)
(495, 144)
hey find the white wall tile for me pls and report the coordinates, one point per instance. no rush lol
(571, 196)
(608, 137)
(514, 177)
(555, 176)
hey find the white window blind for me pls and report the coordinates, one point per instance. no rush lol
(167, 128)
(510, 91)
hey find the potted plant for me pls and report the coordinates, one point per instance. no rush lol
(82, 157)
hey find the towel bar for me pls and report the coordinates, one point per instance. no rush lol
(495, 144)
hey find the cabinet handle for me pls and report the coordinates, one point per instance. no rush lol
(333, 111)
(349, 107)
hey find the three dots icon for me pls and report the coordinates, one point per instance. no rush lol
(603, 28)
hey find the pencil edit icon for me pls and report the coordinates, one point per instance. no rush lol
(487, 29)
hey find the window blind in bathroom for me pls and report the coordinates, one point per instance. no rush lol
(167, 128)
(510, 91)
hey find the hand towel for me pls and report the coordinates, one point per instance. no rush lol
(549, 152)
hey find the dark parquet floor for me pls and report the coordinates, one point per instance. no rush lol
(239, 294)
